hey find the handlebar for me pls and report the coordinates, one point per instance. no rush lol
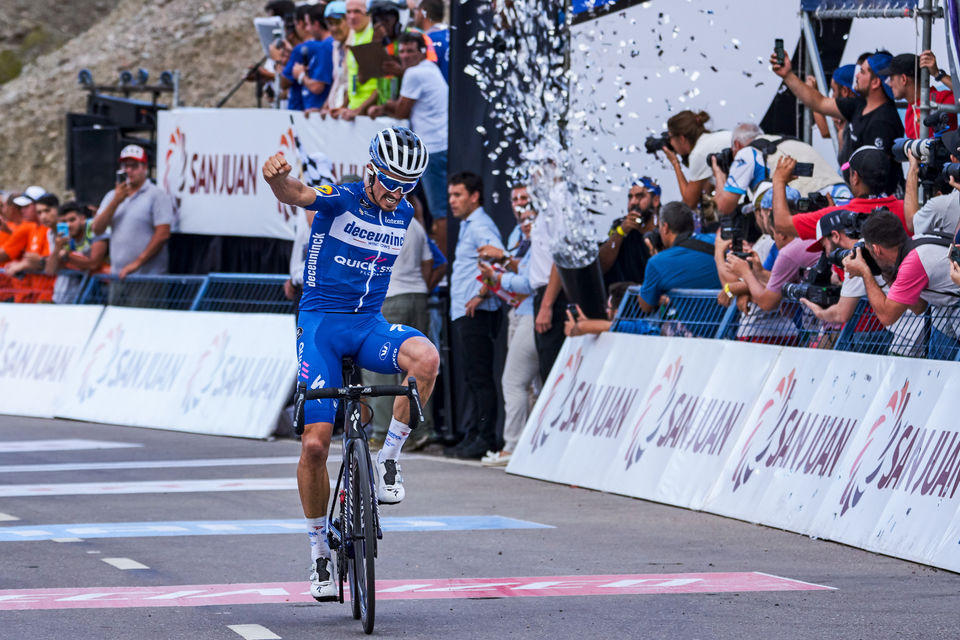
(356, 392)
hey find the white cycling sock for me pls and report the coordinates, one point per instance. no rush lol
(392, 444)
(317, 531)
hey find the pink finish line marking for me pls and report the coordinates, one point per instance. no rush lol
(287, 592)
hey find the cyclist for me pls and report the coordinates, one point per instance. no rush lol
(355, 237)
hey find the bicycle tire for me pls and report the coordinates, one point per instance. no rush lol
(364, 537)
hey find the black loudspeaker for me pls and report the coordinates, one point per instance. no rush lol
(92, 153)
(126, 113)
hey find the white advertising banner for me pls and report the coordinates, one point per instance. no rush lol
(859, 449)
(39, 344)
(214, 373)
(209, 161)
(798, 430)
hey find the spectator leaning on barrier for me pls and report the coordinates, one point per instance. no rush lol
(940, 213)
(76, 250)
(920, 268)
(314, 72)
(474, 312)
(579, 324)
(37, 287)
(755, 157)
(686, 261)
(868, 169)
(423, 99)
(901, 73)
(691, 141)
(873, 117)
(361, 95)
(624, 255)
(334, 14)
(139, 215)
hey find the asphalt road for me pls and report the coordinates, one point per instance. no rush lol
(631, 542)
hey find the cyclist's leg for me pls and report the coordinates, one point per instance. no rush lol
(397, 348)
(319, 367)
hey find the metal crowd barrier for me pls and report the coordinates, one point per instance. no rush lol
(934, 334)
(233, 292)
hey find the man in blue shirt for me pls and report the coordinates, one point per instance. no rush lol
(355, 237)
(428, 18)
(475, 313)
(686, 262)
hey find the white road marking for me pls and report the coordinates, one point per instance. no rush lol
(6, 517)
(67, 539)
(153, 464)
(153, 486)
(20, 446)
(124, 563)
(253, 632)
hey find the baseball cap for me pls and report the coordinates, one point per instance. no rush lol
(877, 62)
(335, 9)
(843, 76)
(34, 192)
(838, 220)
(133, 152)
(22, 201)
(905, 63)
(869, 161)
(792, 197)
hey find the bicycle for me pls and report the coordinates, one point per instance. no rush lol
(354, 518)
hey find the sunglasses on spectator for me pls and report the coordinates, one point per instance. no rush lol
(392, 184)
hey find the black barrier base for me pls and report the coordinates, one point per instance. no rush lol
(584, 286)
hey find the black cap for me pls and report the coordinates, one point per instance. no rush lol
(839, 220)
(871, 163)
(905, 63)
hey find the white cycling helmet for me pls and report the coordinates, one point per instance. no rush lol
(399, 151)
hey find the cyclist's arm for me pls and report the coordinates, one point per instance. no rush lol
(276, 171)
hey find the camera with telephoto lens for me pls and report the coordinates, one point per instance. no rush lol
(931, 152)
(657, 143)
(724, 159)
(816, 286)
(837, 256)
(813, 201)
(739, 226)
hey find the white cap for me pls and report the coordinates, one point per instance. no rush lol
(35, 192)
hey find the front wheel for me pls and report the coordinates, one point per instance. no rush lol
(363, 535)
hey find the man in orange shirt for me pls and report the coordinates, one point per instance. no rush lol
(28, 250)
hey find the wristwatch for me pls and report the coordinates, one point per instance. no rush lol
(941, 74)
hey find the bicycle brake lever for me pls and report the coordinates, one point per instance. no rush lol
(415, 400)
(298, 417)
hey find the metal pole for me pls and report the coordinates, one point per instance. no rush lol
(807, 112)
(926, 16)
(814, 56)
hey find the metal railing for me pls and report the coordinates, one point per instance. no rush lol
(934, 334)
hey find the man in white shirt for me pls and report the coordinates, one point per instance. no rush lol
(423, 99)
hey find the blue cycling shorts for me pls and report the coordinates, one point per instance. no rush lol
(324, 338)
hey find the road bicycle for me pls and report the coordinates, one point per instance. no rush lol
(354, 511)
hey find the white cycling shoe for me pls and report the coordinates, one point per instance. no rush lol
(323, 581)
(389, 482)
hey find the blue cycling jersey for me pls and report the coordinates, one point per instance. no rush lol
(353, 245)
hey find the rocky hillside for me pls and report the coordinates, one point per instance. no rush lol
(211, 42)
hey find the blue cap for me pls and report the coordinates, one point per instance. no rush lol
(335, 9)
(878, 62)
(792, 196)
(649, 184)
(843, 76)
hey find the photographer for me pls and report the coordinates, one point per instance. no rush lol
(901, 75)
(869, 171)
(919, 268)
(940, 213)
(623, 257)
(753, 154)
(686, 261)
(688, 138)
